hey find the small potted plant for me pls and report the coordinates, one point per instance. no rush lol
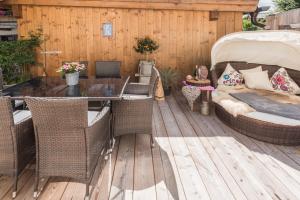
(71, 72)
(169, 77)
(146, 46)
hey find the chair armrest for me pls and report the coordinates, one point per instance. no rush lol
(97, 136)
(137, 88)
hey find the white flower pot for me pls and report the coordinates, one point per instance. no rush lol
(72, 78)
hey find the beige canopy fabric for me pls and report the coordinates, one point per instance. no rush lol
(264, 47)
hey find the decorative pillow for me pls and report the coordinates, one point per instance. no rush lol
(281, 81)
(258, 80)
(256, 69)
(230, 77)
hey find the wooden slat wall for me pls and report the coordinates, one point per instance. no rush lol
(185, 37)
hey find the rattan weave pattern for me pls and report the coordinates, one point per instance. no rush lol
(66, 146)
(17, 146)
(134, 116)
(260, 130)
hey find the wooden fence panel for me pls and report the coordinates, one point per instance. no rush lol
(185, 37)
(283, 20)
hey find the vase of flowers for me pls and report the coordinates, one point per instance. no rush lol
(71, 72)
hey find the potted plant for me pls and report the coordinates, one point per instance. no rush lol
(146, 46)
(169, 77)
(71, 71)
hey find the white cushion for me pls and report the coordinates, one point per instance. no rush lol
(275, 119)
(94, 116)
(21, 115)
(230, 77)
(256, 69)
(258, 80)
(134, 97)
(18, 103)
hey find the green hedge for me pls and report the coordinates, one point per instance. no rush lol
(16, 56)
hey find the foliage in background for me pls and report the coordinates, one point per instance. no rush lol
(285, 5)
(248, 26)
(17, 56)
(146, 45)
(168, 77)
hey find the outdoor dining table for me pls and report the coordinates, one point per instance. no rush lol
(94, 89)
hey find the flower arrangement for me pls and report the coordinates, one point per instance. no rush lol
(72, 67)
(146, 46)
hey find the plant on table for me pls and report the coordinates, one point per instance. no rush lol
(71, 71)
(16, 57)
(169, 78)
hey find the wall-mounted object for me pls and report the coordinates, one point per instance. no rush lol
(213, 15)
(107, 30)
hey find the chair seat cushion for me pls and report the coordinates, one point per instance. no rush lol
(21, 116)
(19, 103)
(94, 116)
(134, 97)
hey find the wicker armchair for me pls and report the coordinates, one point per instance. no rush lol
(70, 139)
(133, 115)
(17, 147)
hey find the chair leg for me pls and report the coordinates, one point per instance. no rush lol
(152, 141)
(87, 191)
(36, 186)
(14, 194)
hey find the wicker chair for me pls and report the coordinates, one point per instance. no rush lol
(133, 115)
(17, 147)
(108, 69)
(70, 139)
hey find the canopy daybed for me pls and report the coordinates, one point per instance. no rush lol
(246, 50)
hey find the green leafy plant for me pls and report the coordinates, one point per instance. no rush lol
(146, 46)
(248, 26)
(169, 77)
(285, 5)
(17, 56)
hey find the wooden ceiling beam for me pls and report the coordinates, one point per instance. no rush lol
(201, 5)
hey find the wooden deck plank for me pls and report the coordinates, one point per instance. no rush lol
(158, 168)
(144, 184)
(253, 168)
(103, 184)
(173, 181)
(122, 184)
(249, 185)
(209, 173)
(192, 182)
(272, 166)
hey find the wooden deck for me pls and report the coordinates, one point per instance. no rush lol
(195, 157)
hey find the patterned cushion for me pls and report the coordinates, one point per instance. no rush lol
(230, 77)
(281, 81)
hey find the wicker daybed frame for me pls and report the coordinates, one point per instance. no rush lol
(260, 130)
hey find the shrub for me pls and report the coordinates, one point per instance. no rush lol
(285, 5)
(17, 56)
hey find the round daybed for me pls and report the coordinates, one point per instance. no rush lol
(271, 50)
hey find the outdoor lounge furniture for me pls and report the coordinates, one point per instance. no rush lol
(133, 115)
(17, 147)
(262, 126)
(69, 139)
(108, 69)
